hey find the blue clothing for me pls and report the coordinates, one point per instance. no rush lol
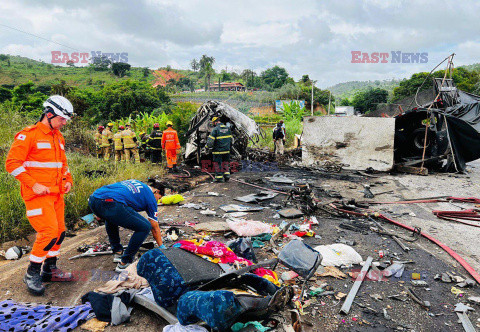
(19, 317)
(166, 282)
(118, 214)
(132, 193)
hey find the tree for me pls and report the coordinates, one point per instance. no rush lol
(248, 77)
(185, 83)
(120, 68)
(208, 71)
(3, 57)
(5, 94)
(409, 87)
(70, 63)
(225, 76)
(100, 63)
(61, 88)
(306, 79)
(195, 65)
(146, 72)
(124, 98)
(367, 100)
(31, 101)
(205, 61)
(344, 102)
(275, 77)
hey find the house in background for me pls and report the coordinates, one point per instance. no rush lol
(227, 86)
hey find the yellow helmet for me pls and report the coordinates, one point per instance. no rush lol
(142, 133)
(169, 123)
(215, 118)
(110, 124)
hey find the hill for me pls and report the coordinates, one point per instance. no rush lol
(348, 89)
(22, 70)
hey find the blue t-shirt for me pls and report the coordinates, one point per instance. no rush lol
(132, 193)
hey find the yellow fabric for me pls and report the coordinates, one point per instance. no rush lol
(133, 151)
(171, 199)
(119, 155)
(106, 135)
(98, 138)
(117, 141)
(128, 136)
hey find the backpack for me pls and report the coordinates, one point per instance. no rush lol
(278, 133)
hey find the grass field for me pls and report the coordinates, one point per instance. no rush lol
(13, 222)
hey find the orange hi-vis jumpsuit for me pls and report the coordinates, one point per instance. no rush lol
(37, 155)
(170, 144)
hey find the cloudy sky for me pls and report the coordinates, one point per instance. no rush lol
(305, 36)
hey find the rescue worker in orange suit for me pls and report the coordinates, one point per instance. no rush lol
(154, 143)
(98, 141)
(37, 159)
(130, 145)
(107, 141)
(118, 145)
(171, 145)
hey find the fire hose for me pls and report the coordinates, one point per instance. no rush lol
(449, 251)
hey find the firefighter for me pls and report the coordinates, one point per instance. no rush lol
(220, 141)
(107, 141)
(37, 159)
(130, 145)
(171, 145)
(143, 148)
(155, 144)
(98, 141)
(118, 145)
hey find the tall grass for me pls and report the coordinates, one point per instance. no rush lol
(13, 222)
(293, 126)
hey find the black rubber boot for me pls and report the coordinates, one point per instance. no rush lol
(33, 280)
(51, 273)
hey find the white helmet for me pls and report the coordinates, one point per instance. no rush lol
(61, 106)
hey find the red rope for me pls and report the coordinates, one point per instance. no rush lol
(451, 252)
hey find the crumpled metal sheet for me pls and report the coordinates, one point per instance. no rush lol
(243, 130)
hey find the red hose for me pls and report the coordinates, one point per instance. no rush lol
(473, 200)
(451, 252)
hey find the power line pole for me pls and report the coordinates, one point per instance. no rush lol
(311, 104)
(329, 98)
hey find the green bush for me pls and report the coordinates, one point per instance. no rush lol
(13, 222)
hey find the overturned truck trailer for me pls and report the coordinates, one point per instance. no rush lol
(243, 130)
(451, 128)
(441, 135)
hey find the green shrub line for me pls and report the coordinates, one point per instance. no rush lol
(13, 222)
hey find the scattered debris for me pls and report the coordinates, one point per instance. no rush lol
(255, 198)
(339, 254)
(290, 213)
(356, 286)
(462, 310)
(244, 227)
(240, 208)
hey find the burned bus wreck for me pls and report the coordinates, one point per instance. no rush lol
(444, 137)
(244, 130)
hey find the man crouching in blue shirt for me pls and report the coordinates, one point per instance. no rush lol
(118, 204)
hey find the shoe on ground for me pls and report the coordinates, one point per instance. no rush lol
(57, 275)
(122, 267)
(34, 284)
(117, 257)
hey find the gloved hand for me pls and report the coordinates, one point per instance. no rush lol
(162, 247)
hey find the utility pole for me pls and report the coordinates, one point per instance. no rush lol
(329, 98)
(311, 105)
